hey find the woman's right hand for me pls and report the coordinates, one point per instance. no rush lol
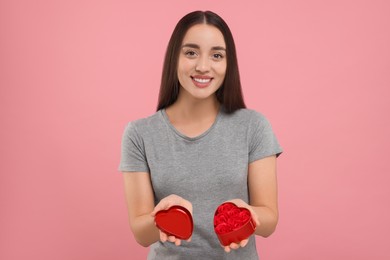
(166, 203)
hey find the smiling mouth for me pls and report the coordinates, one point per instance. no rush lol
(202, 80)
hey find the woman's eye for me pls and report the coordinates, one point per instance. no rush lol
(217, 56)
(190, 53)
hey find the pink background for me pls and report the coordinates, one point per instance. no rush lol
(73, 73)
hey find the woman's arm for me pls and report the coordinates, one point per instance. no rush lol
(140, 204)
(263, 195)
(141, 209)
(263, 198)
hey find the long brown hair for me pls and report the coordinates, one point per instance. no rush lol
(229, 94)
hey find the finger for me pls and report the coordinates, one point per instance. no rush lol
(189, 207)
(163, 236)
(184, 203)
(171, 239)
(163, 204)
(155, 210)
(244, 242)
(227, 249)
(177, 242)
(234, 246)
(189, 240)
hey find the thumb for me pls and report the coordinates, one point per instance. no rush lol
(163, 204)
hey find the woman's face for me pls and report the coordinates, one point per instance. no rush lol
(202, 61)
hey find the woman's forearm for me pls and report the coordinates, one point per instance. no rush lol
(144, 230)
(268, 221)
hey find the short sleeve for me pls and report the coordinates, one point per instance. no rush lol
(262, 140)
(133, 158)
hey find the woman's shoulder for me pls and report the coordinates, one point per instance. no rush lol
(248, 115)
(143, 124)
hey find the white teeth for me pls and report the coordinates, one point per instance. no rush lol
(202, 80)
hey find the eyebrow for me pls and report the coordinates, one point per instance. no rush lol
(196, 46)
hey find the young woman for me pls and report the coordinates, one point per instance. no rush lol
(201, 148)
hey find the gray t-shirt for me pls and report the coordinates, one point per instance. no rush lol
(207, 170)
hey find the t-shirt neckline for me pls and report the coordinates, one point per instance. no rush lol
(166, 119)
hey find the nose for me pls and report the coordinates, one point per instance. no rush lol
(203, 64)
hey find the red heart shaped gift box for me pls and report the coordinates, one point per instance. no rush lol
(175, 221)
(233, 224)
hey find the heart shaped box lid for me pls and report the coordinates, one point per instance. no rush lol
(234, 231)
(175, 221)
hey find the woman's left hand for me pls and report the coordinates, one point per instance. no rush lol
(242, 204)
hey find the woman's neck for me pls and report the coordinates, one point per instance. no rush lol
(184, 110)
(192, 118)
(194, 110)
